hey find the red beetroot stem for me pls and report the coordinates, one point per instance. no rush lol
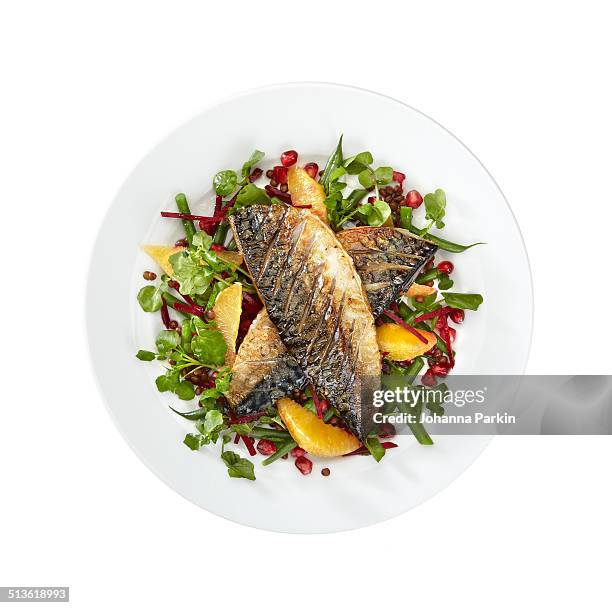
(185, 216)
(283, 196)
(405, 325)
(302, 206)
(445, 310)
(249, 444)
(317, 402)
(165, 315)
(190, 310)
(363, 450)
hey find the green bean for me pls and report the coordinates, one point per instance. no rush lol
(422, 436)
(183, 207)
(334, 161)
(261, 432)
(329, 414)
(220, 233)
(406, 218)
(413, 370)
(442, 243)
(285, 448)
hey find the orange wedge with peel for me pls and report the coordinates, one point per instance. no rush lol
(227, 309)
(307, 191)
(402, 345)
(161, 254)
(312, 434)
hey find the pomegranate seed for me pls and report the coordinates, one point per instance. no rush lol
(289, 158)
(181, 243)
(428, 378)
(266, 447)
(446, 267)
(398, 177)
(304, 465)
(312, 169)
(413, 199)
(216, 247)
(173, 285)
(457, 315)
(371, 199)
(439, 370)
(280, 174)
(386, 430)
(297, 452)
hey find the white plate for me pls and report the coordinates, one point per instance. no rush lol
(307, 117)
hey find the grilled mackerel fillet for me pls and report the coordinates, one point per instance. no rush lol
(387, 260)
(315, 298)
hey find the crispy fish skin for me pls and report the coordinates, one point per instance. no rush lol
(314, 296)
(256, 383)
(387, 260)
(263, 370)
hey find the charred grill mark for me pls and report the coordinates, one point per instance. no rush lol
(271, 244)
(296, 235)
(297, 270)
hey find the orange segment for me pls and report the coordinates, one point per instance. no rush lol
(401, 344)
(230, 257)
(161, 254)
(420, 290)
(227, 309)
(307, 191)
(312, 434)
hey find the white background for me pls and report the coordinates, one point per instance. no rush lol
(89, 87)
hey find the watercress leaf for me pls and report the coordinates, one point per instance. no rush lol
(237, 466)
(193, 277)
(145, 355)
(150, 298)
(367, 178)
(375, 214)
(467, 301)
(184, 390)
(225, 182)
(213, 421)
(250, 195)
(162, 384)
(435, 205)
(253, 160)
(384, 175)
(194, 441)
(222, 381)
(336, 174)
(202, 240)
(375, 448)
(209, 347)
(356, 164)
(444, 281)
(166, 341)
